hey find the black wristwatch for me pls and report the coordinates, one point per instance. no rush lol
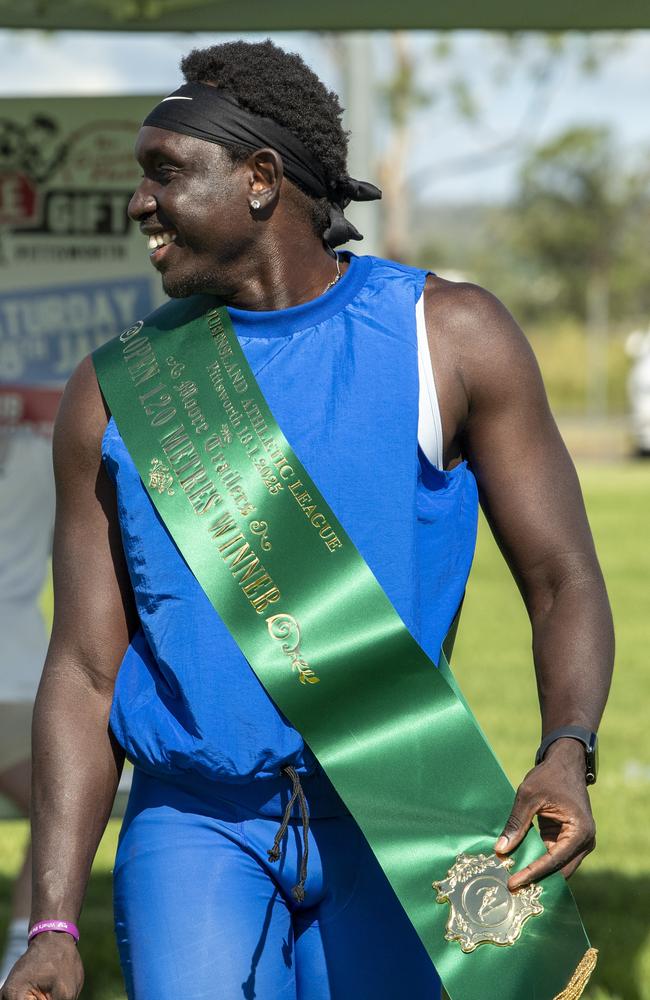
(586, 737)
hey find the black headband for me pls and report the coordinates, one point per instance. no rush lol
(211, 114)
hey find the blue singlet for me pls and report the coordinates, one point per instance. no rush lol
(340, 374)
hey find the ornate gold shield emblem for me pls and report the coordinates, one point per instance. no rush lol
(482, 908)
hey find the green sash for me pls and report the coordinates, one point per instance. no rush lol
(391, 731)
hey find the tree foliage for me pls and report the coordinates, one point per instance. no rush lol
(427, 80)
(578, 213)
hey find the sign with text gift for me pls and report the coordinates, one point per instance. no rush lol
(73, 269)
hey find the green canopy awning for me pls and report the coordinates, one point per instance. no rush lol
(261, 15)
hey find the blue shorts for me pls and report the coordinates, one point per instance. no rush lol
(201, 912)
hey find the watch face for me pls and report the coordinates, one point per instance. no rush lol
(591, 760)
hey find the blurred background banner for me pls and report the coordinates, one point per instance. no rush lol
(72, 269)
(260, 15)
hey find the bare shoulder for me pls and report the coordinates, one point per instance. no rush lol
(472, 314)
(458, 300)
(474, 336)
(81, 420)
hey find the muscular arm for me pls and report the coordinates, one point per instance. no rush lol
(530, 494)
(76, 763)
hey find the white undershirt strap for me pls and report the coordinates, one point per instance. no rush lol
(429, 423)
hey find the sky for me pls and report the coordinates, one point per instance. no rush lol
(450, 159)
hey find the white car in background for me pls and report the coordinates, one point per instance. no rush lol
(638, 388)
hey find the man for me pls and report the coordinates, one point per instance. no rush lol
(200, 909)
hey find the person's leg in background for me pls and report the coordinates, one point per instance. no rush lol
(15, 783)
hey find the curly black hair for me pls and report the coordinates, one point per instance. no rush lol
(276, 84)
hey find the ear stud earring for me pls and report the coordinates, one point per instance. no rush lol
(255, 204)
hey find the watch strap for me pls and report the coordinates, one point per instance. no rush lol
(585, 736)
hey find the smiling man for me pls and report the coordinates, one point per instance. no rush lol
(241, 871)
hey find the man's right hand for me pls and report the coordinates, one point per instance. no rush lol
(50, 969)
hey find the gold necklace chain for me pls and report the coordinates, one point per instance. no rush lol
(337, 276)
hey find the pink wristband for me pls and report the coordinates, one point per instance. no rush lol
(60, 926)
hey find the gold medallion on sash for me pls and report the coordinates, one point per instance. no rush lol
(483, 909)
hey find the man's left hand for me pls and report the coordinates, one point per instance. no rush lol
(556, 792)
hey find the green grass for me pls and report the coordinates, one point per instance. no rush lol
(493, 662)
(562, 350)
(613, 885)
